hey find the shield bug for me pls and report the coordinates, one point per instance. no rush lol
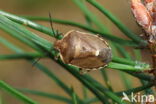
(83, 50)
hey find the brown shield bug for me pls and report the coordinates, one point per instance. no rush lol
(83, 50)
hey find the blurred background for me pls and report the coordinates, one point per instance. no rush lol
(21, 74)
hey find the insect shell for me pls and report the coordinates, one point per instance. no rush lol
(84, 50)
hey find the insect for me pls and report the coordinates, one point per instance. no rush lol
(84, 50)
(145, 15)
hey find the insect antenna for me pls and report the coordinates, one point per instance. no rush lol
(51, 25)
(55, 35)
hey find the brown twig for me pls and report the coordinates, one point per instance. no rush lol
(145, 16)
(154, 66)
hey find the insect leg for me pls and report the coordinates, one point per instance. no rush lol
(55, 35)
(83, 71)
